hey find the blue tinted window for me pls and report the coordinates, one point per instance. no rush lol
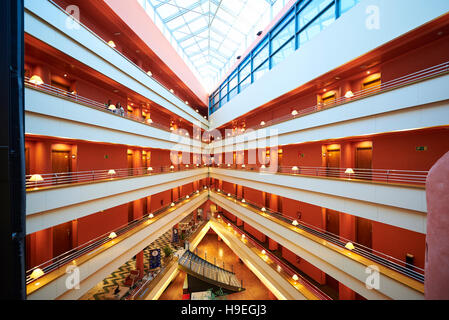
(232, 93)
(261, 71)
(245, 83)
(317, 26)
(311, 11)
(245, 71)
(283, 36)
(283, 53)
(347, 4)
(261, 56)
(233, 83)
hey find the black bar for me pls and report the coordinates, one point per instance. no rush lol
(12, 151)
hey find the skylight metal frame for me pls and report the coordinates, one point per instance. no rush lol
(217, 39)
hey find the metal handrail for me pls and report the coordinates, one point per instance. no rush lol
(281, 263)
(57, 179)
(379, 175)
(379, 257)
(100, 106)
(94, 244)
(118, 52)
(408, 79)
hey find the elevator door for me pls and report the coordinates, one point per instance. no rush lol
(333, 161)
(363, 160)
(364, 232)
(62, 238)
(60, 161)
(332, 222)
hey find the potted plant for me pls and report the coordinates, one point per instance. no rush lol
(168, 252)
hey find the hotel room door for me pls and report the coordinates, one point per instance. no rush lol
(333, 222)
(333, 161)
(62, 238)
(364, 229)
(60, 161)
(364, 160)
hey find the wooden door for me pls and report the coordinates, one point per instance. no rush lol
(333, 221)
(364, 160)
(280, 161)
(364, 232)
(60, 161)
(130, 164)
(333, 283)
(333, 162)
(62, 238)
(130, 212)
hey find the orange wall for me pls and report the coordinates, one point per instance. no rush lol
(398, 151)
(398, 242)
(315, 273)
(100, 223)
(254, 232)
(101, 157)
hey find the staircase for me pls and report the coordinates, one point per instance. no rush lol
(199, 268)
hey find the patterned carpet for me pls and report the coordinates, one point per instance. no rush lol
(108, 285)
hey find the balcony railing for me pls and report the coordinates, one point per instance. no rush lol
(118, 52)
(100, 106)
(95, 244)
(284, 267)
(381, 258)
(419, 76)
(57, 179)
(140, 289)
(377, 175)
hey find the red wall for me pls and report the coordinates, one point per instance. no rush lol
(254, 232)
(315, 273)
(101, 157)
(100, 223)
(398, 242)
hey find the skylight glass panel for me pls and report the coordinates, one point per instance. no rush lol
(211, 31)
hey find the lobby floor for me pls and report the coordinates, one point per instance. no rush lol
(255, 289)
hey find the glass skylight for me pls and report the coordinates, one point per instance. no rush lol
(210, 34)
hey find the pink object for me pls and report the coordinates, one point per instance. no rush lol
(437, 240)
